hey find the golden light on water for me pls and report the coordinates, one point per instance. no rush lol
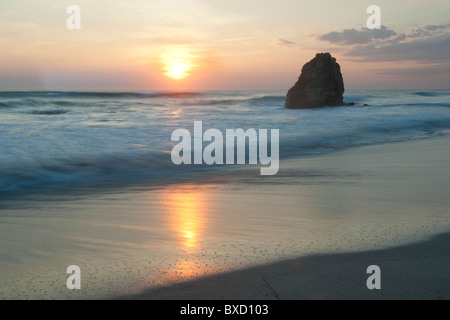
(186, 213)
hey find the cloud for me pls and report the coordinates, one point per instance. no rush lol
(435, 49)
(429, 30)
(431, 70)
(437, 27)
(427, 44)
(353, 36)
(285, 43)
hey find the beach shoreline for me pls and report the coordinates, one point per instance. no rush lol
(414, 271)
(241, 236)
(224, 150)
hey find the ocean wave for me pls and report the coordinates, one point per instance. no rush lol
(211, 102)
(49, 112)
(21, 103)
(254, 101)
(268, 100)
(63, 98)
(156, 168)
(431, 93)
(39, 103)
(86, 148)
(65, 103)
(407, 105)
(100, 94)
(5, 105)
(80, 172)
(134, 94)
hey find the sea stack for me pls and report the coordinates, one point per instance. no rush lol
(320, 84)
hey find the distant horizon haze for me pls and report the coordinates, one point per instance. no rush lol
(216, 45)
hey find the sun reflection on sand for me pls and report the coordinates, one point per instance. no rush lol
(187, 209)
(186, 213)
(184, 269)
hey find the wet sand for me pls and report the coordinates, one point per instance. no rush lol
(307, 233)
(378, 180)
(417, 271)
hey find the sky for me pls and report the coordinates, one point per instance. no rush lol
(220, 44)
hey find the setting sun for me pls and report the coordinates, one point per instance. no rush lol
(177, 71)
(177, 63)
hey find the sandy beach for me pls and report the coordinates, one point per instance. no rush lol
(194, 149)
(416, 271)
(414, 175)
(308, 233)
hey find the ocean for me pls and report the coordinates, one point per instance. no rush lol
(87, 180)
(53, 140)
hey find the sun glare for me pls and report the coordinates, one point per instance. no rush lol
(177, 71)
(177, 63)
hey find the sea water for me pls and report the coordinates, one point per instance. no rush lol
(110, 139)
(86, 179)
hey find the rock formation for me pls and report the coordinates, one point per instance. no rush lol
(320, 84)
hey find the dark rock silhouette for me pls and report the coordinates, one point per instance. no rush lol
(320, 84)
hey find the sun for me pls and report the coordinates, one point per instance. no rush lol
(178, 71)
(177, 62)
